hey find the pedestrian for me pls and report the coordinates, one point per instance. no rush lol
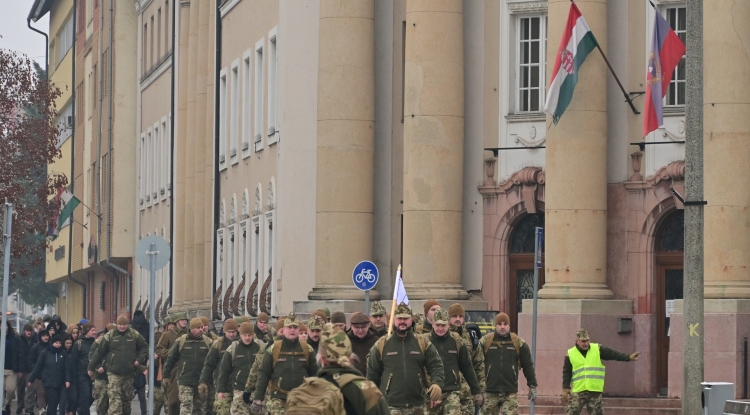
(140, 324)
(78, 363)
(235, 366)
(338, 319)
(334, 358)
(68, 394)
(457, 315)
(261, 328)
(252, 378)
(303, 335)
(583, 374)
(27, 341)
(207, 328)
(285, 364)
(326, 313)
(12, 369)
(99, 387)
(456, 360)
(314, 327)
(210, 372)
(162, 351)
(504, 354)
(362, 337)
(187, 355)
(50, 368)
(397, 365)
(126, 351)
(378, 319)
(168, 324)
(35, 395)
(429, 313)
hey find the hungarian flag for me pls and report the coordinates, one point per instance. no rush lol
(576, 43)
(68, 203)
(666, 52)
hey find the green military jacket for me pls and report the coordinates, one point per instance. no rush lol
(400, 371)
(187, 357)
(252, 378)
(380, 332)
(477, 354)
(456, 361)
(97, 375)
(121, 350)
(165, 344)
(236, 364)
(210, 372)
(313, 344)
(289, 372)
(264, 337)
(361, 397)
(501, 363)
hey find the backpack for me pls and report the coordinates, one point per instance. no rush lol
(319, 396)
(382, 340)
(513, 339)
(475, 333)
(181, 342)
(277, 352)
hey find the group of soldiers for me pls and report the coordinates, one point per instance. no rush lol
(436, 366)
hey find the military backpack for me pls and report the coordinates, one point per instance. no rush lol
(318, 396)
(514, 339)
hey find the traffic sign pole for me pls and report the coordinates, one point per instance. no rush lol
(152, 253)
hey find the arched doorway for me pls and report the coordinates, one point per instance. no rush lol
(669, 248)
(521, 264)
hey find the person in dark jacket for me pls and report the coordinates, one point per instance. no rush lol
(12, 366)
(140, 324)
(27, 340)
(68, 394)
(78, 363)
(58, 325)
(50, 368)
(35, 394)
(362, 337)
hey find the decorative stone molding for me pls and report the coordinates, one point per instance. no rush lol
(526, 181)
(527, 7)
(271, 194)
(489, 169)
(532, 141)
(258, 207)
(635, 159)
(674, 172)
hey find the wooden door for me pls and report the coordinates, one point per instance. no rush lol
(521, 284)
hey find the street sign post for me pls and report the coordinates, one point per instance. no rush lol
(364, 277)
(152, 253)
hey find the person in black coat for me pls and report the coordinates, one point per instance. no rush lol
(139, 383)
(27, 340)
(35, 394)
(78, 363)
(58, 324)
(50, 367)
(12, 367)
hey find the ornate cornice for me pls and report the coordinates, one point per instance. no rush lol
(527, 176)
(674, 171)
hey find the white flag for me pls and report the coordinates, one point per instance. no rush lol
(399, 292)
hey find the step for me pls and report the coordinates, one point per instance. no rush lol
(559, 410)
(550, 405)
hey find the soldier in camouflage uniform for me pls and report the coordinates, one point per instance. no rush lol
(314, 328)
(162, 350)
(207, 328)
(187, 355)
(235, 366)
(126, 352)
(456, 359)
(99, 389)
(334, 359)
(287, 372)
(261, 330)
(210, 371)
(158, 387)
(457, 315)
(378, 319)
(425, 326)
(579, 362)
(252, 378)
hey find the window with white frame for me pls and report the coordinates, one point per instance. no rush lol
(64, 124)
(255, 263)
(142, 176)
(268, 250)
(168, 151)
(272, 87)
(234, 117)
(220, 270)
(231, 255)
(242, 250)
(531, 42)
(156, 161)
(149, 165)
(677, 19)
(222, 118)
(247, 101)
(65, 39)
(258, 107)
(166, 156)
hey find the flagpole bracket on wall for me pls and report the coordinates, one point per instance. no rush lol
(642, 144)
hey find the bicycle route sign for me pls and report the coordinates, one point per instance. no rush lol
(365, 275)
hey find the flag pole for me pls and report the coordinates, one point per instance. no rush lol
(393, 303)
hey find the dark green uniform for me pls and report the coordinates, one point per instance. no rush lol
(501, 369)
(380, 332)
(360, 396)
(400, 371)
(477, 360)
(289, 372)
(313, 344)
(210, 372)
(187, 355)
(264, 337)
(162, 350)
(235, 366)
(99, 389)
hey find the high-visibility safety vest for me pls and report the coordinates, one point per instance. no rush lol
(588, 372)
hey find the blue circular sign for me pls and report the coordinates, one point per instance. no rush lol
(365, 275)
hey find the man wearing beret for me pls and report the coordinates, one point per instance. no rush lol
(504, 354)
(210, 371)
(314, 328)
(261, 328)
(398, 367)
(584, 371)
(187, 356)
(235, 366)
(457, 315)
(362, 337)
(378, 319)
(429, 314)
(162, 351)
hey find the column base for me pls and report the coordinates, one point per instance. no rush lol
(340, 292)
(573, 290)
(437, 291)
(726, 290)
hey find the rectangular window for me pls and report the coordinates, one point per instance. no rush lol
(220, 273)
(144, 50)
(64, 124)
(258, 119)
(168, 151)
(65, 39)
(272, 87)
(243, 252)
(234, 116)
(677, 19)
(167, 33)
(158, 35)
(149, 165)
(247, 110)
(223, 118)
(102, 294)
(256, 258)
(532, 41)
(230, 256)
(142, 177)
(156, 161)
(166, 156)
(151, 45)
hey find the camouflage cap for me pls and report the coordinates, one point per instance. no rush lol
(291, 320)
(418, 319)
(315, 323)
(168, 320)
(582, 334)
(403, 311)
(441, 316)
(336, 344)
(241, 319)
(180, 316)
(377, 309)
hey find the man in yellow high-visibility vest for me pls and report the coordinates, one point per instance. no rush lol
(583, 374)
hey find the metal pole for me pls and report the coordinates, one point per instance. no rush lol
(152, 252)
(367, 302)
(693, 267)
(539, 238)
(6, 281)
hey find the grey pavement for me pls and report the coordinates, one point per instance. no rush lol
(135, 408)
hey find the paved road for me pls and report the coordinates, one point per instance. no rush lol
(135, 408)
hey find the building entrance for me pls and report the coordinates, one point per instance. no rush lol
(521, 264)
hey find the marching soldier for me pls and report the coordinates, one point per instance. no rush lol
(429, 314)
(457, 315)
(235, 366)
(187, 355)
(162, 351)
(314, 328)
(210, 371)
(261, 328)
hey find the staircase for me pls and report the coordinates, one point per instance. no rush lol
(549, 405)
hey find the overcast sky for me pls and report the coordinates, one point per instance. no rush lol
(15, 33)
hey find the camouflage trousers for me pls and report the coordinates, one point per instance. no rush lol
(275, 406)
(99, 393)
(411, 410)
(210, 399)
(223, 406)
(591, 400)
(191, 402)
(239, 407)
(450, 404)
(121, 393)
(501, 403)
(467, 400)
(158, 398)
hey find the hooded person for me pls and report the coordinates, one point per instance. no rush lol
(51, 369)
(57, 322)
(35, 392)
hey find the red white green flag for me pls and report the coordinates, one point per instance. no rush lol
(577, 41)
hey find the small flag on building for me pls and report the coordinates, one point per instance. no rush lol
(576, 43)
(68, 203)
(666, 52)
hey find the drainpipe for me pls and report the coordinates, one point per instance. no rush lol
(175, 9)
(217, 107)
(46, 44)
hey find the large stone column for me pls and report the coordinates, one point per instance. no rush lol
(433, 149)
(726, 150)
(576, 171)
(346, 145)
